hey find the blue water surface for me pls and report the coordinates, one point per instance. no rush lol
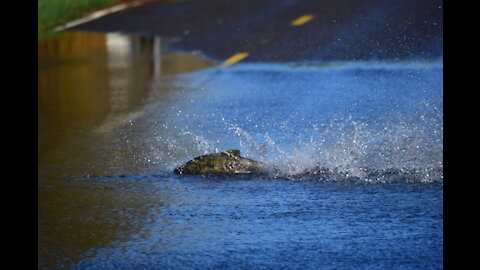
(281, 224)
(376, 126)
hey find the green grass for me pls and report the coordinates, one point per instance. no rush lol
(56, 12)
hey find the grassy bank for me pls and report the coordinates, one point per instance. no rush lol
(56, 12)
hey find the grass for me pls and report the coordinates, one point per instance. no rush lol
(56, 12)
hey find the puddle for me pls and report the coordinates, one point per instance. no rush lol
(89, 84)
(86, 77)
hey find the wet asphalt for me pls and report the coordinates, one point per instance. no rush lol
(331, 30)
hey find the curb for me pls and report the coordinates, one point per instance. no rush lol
(98, 14)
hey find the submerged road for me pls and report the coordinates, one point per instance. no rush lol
(288, 30)
(115, 121)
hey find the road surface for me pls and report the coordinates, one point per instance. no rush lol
(286, 30)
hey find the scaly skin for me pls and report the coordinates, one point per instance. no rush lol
(224, 163)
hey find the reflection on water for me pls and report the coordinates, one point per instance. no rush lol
(84, 77)
(92, 82)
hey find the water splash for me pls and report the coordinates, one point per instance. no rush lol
(346, 149)
(341, 150)
(372, 123)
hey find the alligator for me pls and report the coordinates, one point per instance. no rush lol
(224, 163)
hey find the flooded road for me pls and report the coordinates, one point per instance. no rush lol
(117, 113)
(89, 84)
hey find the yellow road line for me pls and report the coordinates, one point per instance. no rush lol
(234, 59)
(301, 20)
(240, 56)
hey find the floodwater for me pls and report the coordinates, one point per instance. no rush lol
(354, 150)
